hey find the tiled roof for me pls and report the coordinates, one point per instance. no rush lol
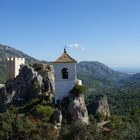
(65, 58)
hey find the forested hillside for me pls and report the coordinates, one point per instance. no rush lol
(33, 119)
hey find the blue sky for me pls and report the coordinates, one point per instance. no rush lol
(96, 30)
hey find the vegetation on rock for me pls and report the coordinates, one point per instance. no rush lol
(78, 90)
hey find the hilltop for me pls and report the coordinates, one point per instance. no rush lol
(7, 51)
(31, 112)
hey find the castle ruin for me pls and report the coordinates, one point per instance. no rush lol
(13, 66)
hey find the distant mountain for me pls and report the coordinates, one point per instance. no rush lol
(93, 74)
(131, 83)
(100, 71)
(99, 74)
(6, 51)
(122, 90)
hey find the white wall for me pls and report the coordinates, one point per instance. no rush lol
(62, 89)
(63, 86)
(71, 69)
(13, 67)
(18, 63)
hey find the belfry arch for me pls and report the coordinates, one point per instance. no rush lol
(65, 73)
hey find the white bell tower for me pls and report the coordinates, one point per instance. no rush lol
(65, 75)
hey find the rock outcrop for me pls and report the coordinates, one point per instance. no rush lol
(100, 106)
(75, 108)
(57, 119)
(2, 99)
(29, 84)
(5, 99)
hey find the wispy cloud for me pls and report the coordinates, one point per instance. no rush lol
(76, 46)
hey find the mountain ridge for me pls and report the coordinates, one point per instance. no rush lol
(93, 70)
(7, 51)
(98, 67)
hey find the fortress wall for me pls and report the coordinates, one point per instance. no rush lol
(13, 67)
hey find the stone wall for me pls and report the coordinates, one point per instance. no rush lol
(13, 67)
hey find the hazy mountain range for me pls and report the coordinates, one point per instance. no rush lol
(98, 71)
(94, 74)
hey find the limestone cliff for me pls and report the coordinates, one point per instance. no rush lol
(29, 84)
(35, 82)
(57, 119)
(100, 106)
(2, 99)
(103, 106)
(75, 108)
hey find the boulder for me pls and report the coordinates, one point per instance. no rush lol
(75, 108)
(100, 106)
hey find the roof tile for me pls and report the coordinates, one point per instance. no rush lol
(65, 58)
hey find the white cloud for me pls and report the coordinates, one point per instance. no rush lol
(83, 49)
(76, 46)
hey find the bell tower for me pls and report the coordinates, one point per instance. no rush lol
(65, 75)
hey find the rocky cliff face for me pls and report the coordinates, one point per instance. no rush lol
(29, 84)
(2, 99)
(39, 81)
(57, 119)
(100, 106)
(75, 108)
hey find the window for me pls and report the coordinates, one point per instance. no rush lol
(64, 73)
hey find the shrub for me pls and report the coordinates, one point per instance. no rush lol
(100, 117)
(44, 112)
(78, 90)
(38, 67)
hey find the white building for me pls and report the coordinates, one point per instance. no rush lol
(65, 75)
(13, 67)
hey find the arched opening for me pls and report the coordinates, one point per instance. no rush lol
(65, 73)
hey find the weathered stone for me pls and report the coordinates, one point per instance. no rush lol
(103, 106)
(2, 99)
(2, 85)
(29, 84)
(100, 106)
(57, 119)
(75, 107)
(48, 80)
